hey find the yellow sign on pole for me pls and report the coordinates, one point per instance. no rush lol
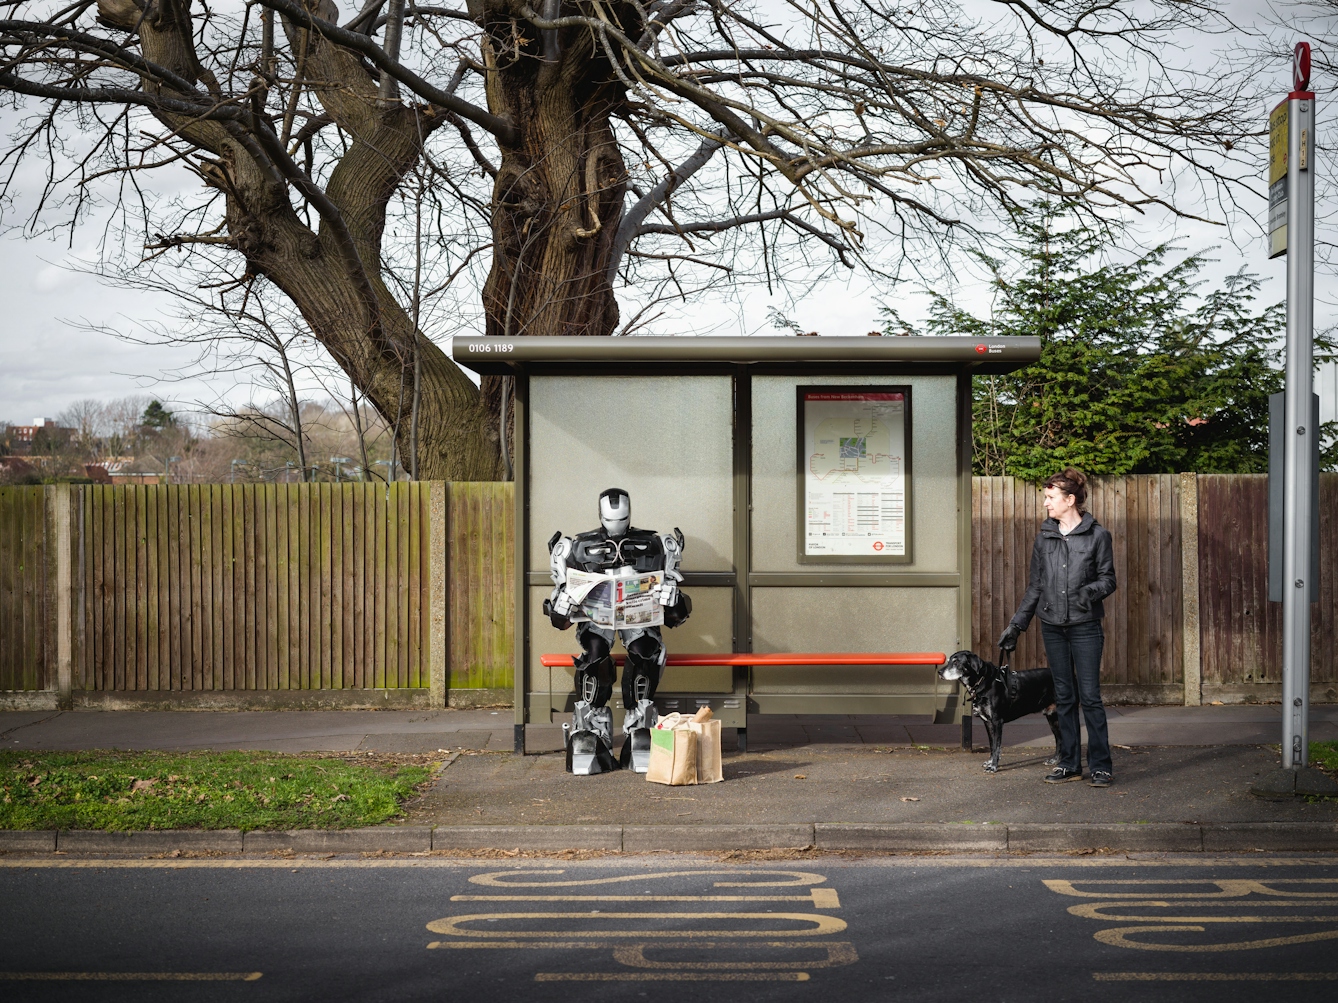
(1277, 181)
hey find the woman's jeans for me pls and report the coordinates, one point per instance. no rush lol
(1074, 653)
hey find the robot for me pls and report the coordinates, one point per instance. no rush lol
(616, 548)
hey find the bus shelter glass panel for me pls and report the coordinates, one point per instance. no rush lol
(710, 628)
(932, 501)
(853, 619)
(667, 441)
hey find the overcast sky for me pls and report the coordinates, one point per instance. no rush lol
(48, 361)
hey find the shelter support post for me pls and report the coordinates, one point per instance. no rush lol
(742, 532)
(520, 466)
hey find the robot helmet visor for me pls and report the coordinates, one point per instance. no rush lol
(615, 512)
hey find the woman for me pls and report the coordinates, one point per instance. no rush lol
(1072, 570)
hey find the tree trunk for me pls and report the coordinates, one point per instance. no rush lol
(557, 202)
(333, 275)
(558, 197)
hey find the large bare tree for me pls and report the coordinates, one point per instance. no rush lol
(575, 145)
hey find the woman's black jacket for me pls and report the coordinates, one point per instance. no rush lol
(1070, 575)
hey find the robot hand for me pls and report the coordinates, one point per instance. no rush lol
(666, 593)
(563, 605)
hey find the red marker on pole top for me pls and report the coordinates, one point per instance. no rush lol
(1301, 70)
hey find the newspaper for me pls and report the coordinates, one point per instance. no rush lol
(613, 601)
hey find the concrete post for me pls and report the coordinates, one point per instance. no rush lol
(1191, 661)
(438, 592)
(60, 498)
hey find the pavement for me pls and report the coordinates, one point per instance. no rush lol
(493, 730)
(928, 928)
(876, 783)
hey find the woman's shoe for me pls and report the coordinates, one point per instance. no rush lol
(1059, 775)
(1100, 779)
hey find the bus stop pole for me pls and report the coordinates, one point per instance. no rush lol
(1298, 450)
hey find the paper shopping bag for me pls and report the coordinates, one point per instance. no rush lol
(709, 770)
(673, 757)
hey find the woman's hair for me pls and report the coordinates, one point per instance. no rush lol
(1071, 481)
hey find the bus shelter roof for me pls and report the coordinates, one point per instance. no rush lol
(674, 356)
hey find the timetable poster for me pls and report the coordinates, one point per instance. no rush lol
(855, 467)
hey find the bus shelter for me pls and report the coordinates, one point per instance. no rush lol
(823, 485)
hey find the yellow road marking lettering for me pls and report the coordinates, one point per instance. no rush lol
(130, 976)
(826, 898)
(1226, 888)
(671, 977)
(1215, 976)
(667, 940)
(838, 953)
(1097, 910)
(813, 925)
(517, 879)
(1119, 937)
(822, 898)
(578, 945)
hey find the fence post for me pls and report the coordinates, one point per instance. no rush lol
(437, 598)
(1189, 588)
(58, 497)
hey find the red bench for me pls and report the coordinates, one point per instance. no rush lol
(753, 659)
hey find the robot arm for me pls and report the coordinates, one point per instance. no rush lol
(667, 594)
(559, 549)
(559, 604)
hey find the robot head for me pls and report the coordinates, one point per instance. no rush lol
(615, 511)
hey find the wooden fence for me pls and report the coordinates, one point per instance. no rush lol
(1191, 621)
(1144, 655)
(1242, 653)
(25, 634)
(254, 587)
(313, 590)
(359, 595)
(482, 560)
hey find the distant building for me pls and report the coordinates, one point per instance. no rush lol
(130, 470)
(19, 440)
(14, 469)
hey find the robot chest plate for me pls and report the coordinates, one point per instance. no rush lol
(601, 556)
(596, 557)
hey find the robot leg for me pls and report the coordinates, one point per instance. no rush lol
(589, 737)
(641, 677)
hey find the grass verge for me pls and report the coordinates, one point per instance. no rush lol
(198, 790)
(1325, 754)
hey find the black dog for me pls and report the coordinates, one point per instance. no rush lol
(999, 694)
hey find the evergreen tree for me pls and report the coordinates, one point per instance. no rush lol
(1139, 371)
(156, 417)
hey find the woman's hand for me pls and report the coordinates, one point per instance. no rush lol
(1008, 640)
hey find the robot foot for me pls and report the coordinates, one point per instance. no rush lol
(643, 715)
(637, 723)
(589, 740)
(636, 750)
(587, 754)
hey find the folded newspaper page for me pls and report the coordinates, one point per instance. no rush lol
(615, 602)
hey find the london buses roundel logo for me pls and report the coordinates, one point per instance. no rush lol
(877, 544)
(982, 349)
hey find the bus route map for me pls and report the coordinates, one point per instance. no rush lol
(855, 478)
